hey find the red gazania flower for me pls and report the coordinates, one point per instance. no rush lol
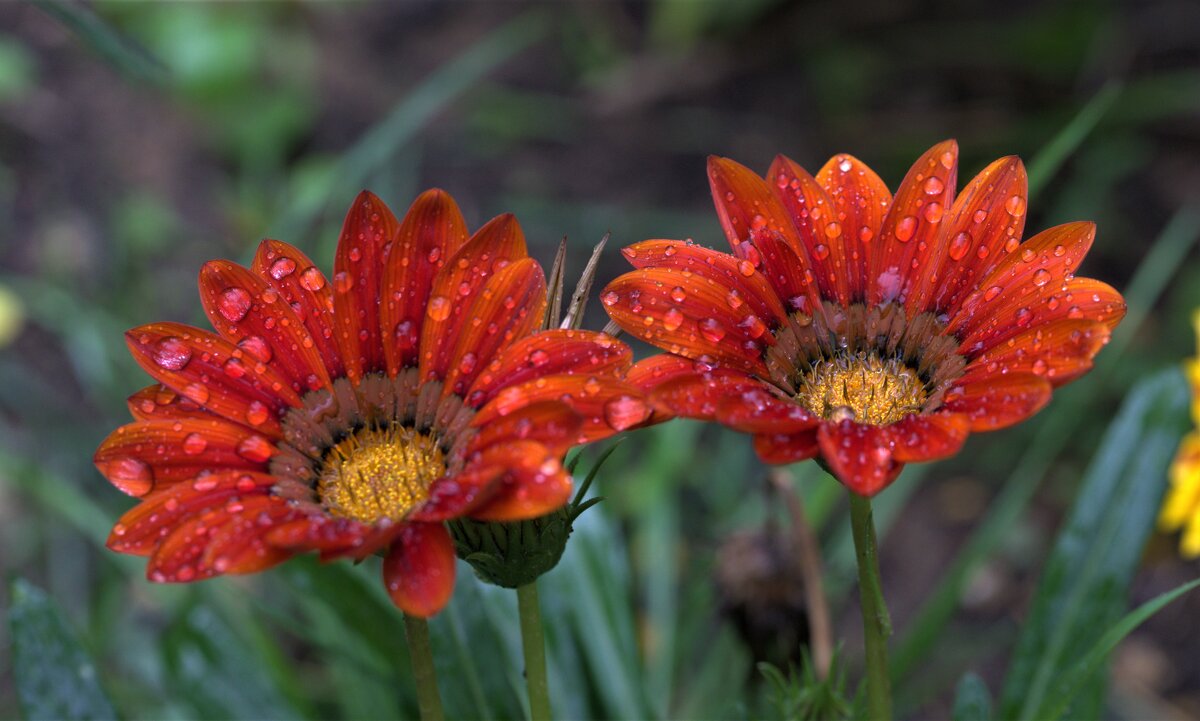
(867, 329)
(355, 416)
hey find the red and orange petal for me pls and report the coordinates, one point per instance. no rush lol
(414, 293)
(1023, 323)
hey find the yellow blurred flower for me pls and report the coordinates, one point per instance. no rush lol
(1181, 510)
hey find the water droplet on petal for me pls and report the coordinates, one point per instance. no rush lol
(132, 475)
(256, 348)
(172, 353)
(467, 363)
(934, 212)
(406, 334)
(255, 449)
(746, 268)
(1041, 277)
(194, 443)
(934, 185)
(672, 319)
(833, 230)
(906, 228)
(196, 392)
(282, 268)
(625, 412)
(343, 282)
(257, 413)
(1015, 206)
(539, 357)
(312, 279)
(610, 298)
(959, 245)
(821, 251)
(991, 293)
(234, 304)
(678, 294)
(438, 308)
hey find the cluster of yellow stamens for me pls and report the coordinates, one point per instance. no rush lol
(862, 387)
(379, 473)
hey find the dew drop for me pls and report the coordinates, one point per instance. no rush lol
(979, 216)
(194, 443)
(467, 363)
(625, 412)
(844, 165)
(312, 279)
(934, 212)
(172, 353)
(821, 251)
(865, 234)
(906, 228)
(1039, 367)
(255, 449)
(282, 268)
(712, 329)
(934, 185)
(539, 357)
(959, 245)
(132, 475)
(833, 230)
(406, 334)
(257, 348)
(1041, 277)
(435, 253)
(196, 392)
(1015, 206)
(257, 413)
(438, 308)
(678, 294)
(991, 293)
(610, 298)
(672, 319)
(746, 268)
(343, 282)
(234, 304)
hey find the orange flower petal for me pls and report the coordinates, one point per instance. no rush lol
(140, 457)
(794, 286)
(456, 286)
(860, 201)
(1039, 267)
(147, 523)
(983, 227)
(1077, 299)
(304, 287)
(991, 401)
(550, 352)
(418, 571)
(745, 202)
(177, 558)
(689, 315)
(929, 436)
(700, 394)
(432, 232)
(901, 253)
(606, 404)
(511, 305)
(326, 534)
(459, 495)
(1060, 351)
(535, 483)
(781, 448)
(822, 235)
(247, 311)
(757, 410)
(157, 402)
(551, 423)
(859, 455)
(740, 277)
(368, 234)
(238, 547)
(232, 382)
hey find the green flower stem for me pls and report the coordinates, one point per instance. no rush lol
(429, 701)
(535, 652)
(877, 625)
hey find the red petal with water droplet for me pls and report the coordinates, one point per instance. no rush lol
(304, 287)
(550, 352)
(821, 233)
(1060, 351)
(460, 494)
(1077, 299)
(552, 423)
(910, 227)
(929, 436)
(696, 320)
(860, 201)
(535, 482)
(698, 395)
(368, 237)
(975, 235)
(418, 570)
(492, 247)
(511, 305)
(158, 402)
(238, 546)
(326, 534)
(148, 455)
(146, 524)
(212, 373)
(992, 401)
(433, 231)
(177, 558)
(290, 347)
(745, 202)
(784, 270)
(1040, 266)
(757, 410)
(601, 400)
(782, 448)
(860, 456)
(730, 272)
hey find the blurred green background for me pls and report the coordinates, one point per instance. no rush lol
(139, 140)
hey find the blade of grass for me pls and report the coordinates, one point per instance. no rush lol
(117, 50)
(1144, 289)
(376, 148)
(1051, 157)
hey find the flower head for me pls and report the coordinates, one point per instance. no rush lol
(354, 416)
(868, 329)
(1181, 509)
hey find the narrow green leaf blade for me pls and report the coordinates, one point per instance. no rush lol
(972, 700)
(55, 678)
(1086, 578)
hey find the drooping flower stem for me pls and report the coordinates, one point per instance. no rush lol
(429, 701)
(535, 651)
(877, 624)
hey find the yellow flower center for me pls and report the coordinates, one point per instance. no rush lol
(379, 473)
(862, 388)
